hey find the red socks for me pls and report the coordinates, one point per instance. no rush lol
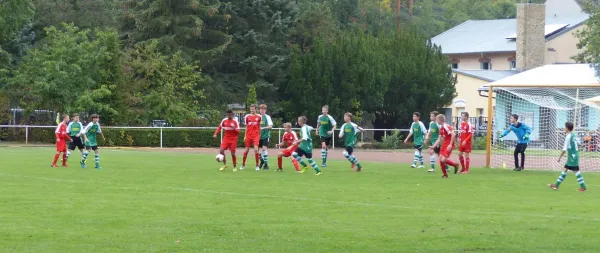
(224, 159)
(451, 163)
(234, 160)
(467, 163)
(279, 162)
(256, 156)
(244, 161)
(443, 167)
(55, 159)
(296, 164)
(462, 161)
(64, 159)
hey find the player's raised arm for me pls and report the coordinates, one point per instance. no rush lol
(218, 129)
(410, 133)
(333, 124)
(342, 131)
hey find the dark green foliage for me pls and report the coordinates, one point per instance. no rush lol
(388, 75)
(590, 37)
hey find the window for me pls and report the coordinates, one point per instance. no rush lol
(454, 65)
(512, 65)
(486, 65)
(480, 112)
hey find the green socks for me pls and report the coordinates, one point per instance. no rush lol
(580, 179)
(561, 178)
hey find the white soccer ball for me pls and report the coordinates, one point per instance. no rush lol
(220, 158)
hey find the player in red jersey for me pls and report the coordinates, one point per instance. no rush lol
(252, 136)
(466, 143)
(288, 140)
(61, 141)
(231, 127)
(448, 135)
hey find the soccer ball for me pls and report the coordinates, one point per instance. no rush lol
(220, 158)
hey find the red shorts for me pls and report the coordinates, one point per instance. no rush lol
(444, 151)
(61, 146)
(288, 151)
(230, 145)
(252, 141)
(467, 148)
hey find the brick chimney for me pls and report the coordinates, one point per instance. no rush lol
(531, 42)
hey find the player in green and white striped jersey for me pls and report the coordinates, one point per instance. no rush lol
(570, 147)
(75, 129)
(325, 128)
(432, 136)
(91, 143)
(348, 132)
(418, 130)
(305, 146)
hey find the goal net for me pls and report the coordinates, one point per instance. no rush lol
(545, 111)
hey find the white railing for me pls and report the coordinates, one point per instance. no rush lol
(280, 131)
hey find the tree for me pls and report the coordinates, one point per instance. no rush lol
(252, 99)
(177, 26)
(259, 52)
(61, 74)
(589, 37)
(162, 86)
(15, 22)
(389, 75)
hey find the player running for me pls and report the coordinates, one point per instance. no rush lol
(90, 133)
(570, 147)
(61, 138)
(522, 132)
(74, 130)
(431, 138)
(231, 127)
(305, 147)
(418, 130)
(349, 131)
(252, 135)
(325, 128)
(288, 141)
(466, 143)
(448, 136)
(265, 133)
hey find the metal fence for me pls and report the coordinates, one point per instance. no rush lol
(366, 136)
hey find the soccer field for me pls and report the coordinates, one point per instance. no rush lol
(161, 201)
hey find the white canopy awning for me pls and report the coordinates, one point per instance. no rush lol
(556, 75)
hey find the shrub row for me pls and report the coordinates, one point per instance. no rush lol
(140, 137)
(186, 138)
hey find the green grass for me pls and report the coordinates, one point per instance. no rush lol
(145, 201)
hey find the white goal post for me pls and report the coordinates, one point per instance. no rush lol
(545, 109)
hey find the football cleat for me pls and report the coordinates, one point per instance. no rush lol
(53, 166)
(553, 187)
(455, 169)
(445, 176)
(223, 168)
(582, 189)
(413, 165)
(431, 170)
(303, 170)
(242, 168)
(82, 165)
(421, 166)
(318, 173)
(324, 165)
(257, 168)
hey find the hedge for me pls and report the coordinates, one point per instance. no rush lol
(140, 137)
(175, 138)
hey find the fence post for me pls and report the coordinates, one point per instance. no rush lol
(161, 138)
(279, 136)
(26, 135)
(384, 135)
(333, 139)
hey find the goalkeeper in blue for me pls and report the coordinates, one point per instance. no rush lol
(349, 132)
(522, 132)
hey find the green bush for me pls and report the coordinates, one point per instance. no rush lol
(480, 143)
(123, 137)
(392, 141)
